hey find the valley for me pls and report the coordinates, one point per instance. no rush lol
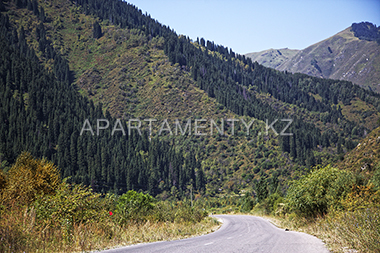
(142, 128)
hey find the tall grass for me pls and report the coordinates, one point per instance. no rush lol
(20, 231)
(359, 229)
(354, 231)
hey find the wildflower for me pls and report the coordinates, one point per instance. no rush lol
(110, 213)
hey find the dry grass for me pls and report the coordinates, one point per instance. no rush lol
(357, 231)
(21, 232)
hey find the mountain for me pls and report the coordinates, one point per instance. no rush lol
(348, 55)
(273, 58)
(41, 111)
(129, 66)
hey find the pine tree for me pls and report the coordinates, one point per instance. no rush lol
(97, 30)
(261, 190)
(200, 180)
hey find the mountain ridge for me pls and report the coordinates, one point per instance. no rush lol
(273, 58)
(342, 56)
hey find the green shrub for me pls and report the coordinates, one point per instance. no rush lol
(318, 191)
(272, 203)
(73, 204)
(134, 206)
(186, 213)
(247, 203)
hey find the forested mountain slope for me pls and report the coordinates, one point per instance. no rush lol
(135, 67)
(42, 112)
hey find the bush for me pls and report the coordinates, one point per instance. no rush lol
(318, 191)
(3, 181)
(28, 178)
(362, 196)
(180, 212)
(186, 213)
(247, 203)
(272, 203)
(134, 206)
(73, 204)
(55, 216)
(376, 178)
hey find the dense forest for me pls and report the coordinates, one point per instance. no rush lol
(235, 80)
(43, 113)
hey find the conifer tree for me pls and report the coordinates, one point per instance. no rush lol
(97, 30)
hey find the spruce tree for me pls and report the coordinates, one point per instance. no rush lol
(97, 30)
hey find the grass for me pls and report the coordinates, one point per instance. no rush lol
(272, 58)
(20, 231)
(356, 231)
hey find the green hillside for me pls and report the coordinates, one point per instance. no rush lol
(133, 88)
(134, 74)
(42, 112)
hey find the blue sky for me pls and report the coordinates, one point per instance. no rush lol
(252, 26)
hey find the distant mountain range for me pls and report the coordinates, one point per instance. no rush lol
(352, 55)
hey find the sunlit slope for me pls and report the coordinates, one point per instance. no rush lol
(342, 56)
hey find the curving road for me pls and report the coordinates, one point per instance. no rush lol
(239, 233)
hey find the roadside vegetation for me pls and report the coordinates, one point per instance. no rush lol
(39, 212)
(338, 206)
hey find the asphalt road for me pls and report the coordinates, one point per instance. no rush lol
(239, 233)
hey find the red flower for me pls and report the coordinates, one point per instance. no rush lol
(110, 212)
